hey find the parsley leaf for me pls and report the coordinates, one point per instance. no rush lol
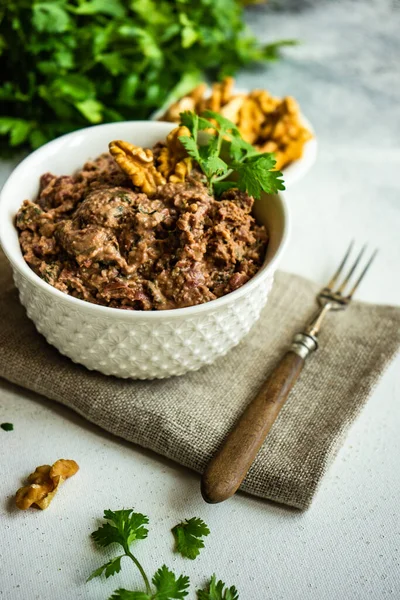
(194, 122)
(217, 591)
(168, 586)
(222, 186)
(225, 125)
(191, 147)
(255, 175)
(50, 17)
(112, 567)
(122, 594)
(188, 536)
(225, 152)
(240, 149)
(7, 426)
(124, 527)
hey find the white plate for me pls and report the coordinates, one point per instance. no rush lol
(296, 170)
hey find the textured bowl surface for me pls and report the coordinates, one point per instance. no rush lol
(139, 345)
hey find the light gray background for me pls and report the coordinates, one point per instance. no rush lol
(347, 546)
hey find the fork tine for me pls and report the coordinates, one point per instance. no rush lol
(340, 268)
(367, 266)
(350, 273)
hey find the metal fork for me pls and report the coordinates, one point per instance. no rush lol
(229, 466)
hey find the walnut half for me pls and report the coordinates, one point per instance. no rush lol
(138, 163)
(173, 161)
(43, 484)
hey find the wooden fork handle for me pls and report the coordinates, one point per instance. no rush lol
(229, 466)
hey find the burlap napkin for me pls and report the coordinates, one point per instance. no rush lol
(185, 418)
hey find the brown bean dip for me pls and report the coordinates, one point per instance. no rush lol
(98, 238)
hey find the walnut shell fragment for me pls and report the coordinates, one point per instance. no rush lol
(138, 163)
(173, 162)
(43, 484)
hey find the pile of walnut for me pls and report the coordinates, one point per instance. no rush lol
(147, 171)
(270, 124)
(44, 483)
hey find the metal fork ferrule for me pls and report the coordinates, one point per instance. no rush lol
(304, 344)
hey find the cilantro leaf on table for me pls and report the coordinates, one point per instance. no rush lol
(110, 568)
(225, 152)
(188, 537)
(7, 426)
(122, 594)
(168, 586)
(216, 590)
(124, 527)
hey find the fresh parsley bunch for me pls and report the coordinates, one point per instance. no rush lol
(66, 64)
(226, 153)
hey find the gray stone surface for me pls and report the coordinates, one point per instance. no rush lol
(345, 74)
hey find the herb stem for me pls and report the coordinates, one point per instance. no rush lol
(141, 570)
(223, 176)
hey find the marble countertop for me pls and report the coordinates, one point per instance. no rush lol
(347, 545)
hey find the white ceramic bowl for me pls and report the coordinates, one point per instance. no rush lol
(140, 345)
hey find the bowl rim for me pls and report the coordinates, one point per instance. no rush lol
(19, 264)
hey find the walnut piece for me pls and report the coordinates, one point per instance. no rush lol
(283, 133)
(138, 163)
(188, 102)
(43, 484)
(231, 109)
(271, 124)
(173, 162)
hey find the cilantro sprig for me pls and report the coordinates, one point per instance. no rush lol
(188, 537)
(124, 527)
(216, 590)
(226, 153)
(167, 587)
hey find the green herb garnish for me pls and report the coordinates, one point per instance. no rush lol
(67, 64)
(188, 536)
(226, 153)
(124, 527)
(216, 590)
(7, 426)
